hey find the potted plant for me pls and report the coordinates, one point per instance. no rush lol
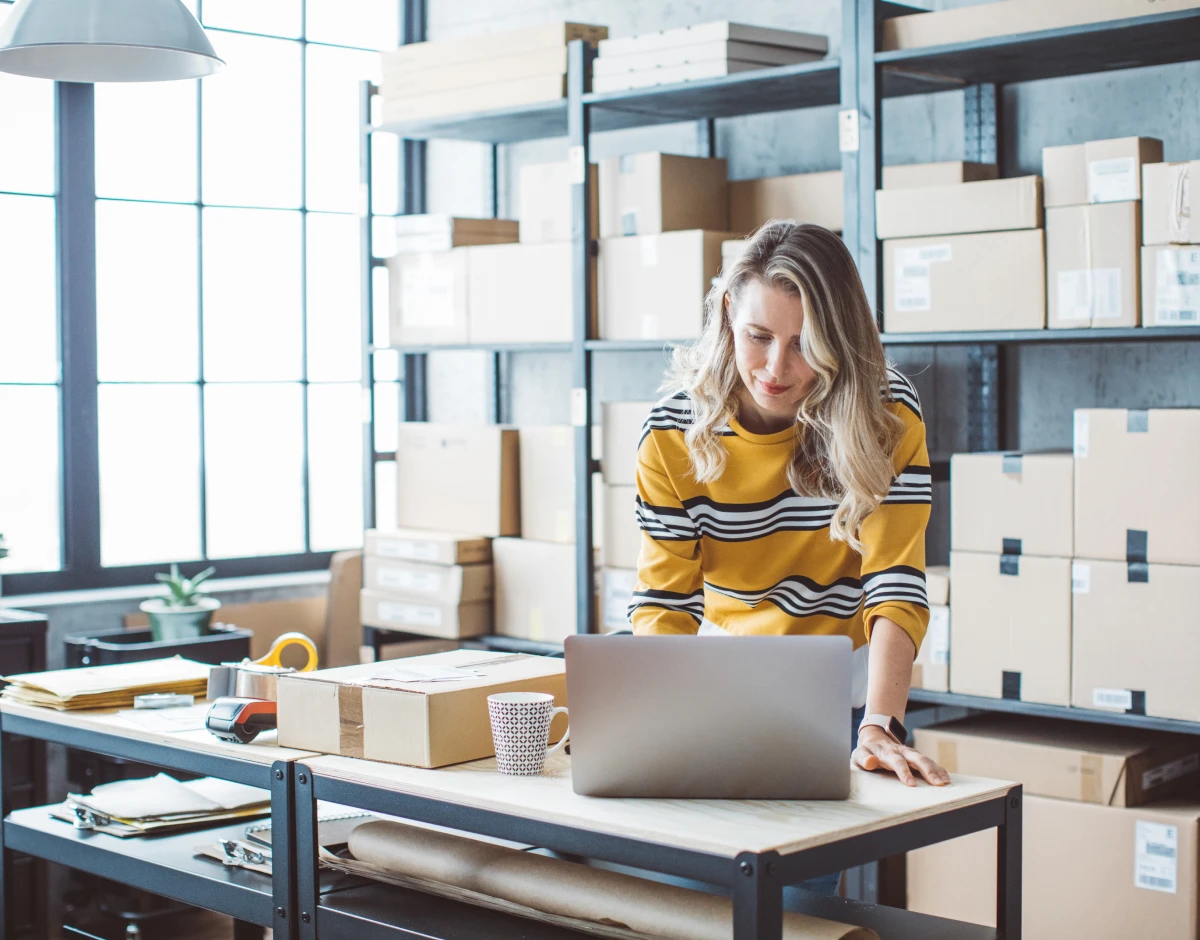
(184, 611)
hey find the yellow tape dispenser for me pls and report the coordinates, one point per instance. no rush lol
(257, 678)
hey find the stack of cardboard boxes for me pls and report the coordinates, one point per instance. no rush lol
(622, 539)
(1111, 829)
(1093, 224)
(1171, 236)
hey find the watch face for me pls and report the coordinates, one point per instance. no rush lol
(897, 730)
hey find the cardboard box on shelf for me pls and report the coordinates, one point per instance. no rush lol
(548, 484)
(535, 589)
(1134, 493)
(937, 584)
(1010, 627)
(653, 286)
(1141, 861)
(616, 592)
(1171, 203)
(805, 197)
(445, 52)
(502, 308)
(718, 50)
(686, 72)
(622, 422)
(622, 537)
(1092, 266)
(487, 96)
(456, 230)
(651, 193)
(931, 667)
(446, 584)
(1012, 503)
(990, 281)
(544, 202)
(428, 298)
(718, 31)
(1134, 644)
(1069, 760)
(432, 547)
(945, 173)
(1098, 171)
(959, 208)
(392, 712)
(425, 617)
(551, 60)
(458, 478)
(1170, 285)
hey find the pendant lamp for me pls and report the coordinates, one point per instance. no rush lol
(105, 41)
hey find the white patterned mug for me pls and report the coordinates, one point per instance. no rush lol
(521, 730)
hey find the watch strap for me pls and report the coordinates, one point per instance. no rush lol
(889, 723)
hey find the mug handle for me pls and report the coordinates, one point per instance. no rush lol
(550, 752)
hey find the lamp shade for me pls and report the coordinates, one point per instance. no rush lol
(105, 41)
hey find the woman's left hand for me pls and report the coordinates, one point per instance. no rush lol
(877, 750)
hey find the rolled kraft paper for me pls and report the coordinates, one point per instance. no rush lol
(568, 889)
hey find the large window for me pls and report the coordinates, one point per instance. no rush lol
(228, 340)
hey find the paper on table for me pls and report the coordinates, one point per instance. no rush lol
(227, 794)
(93, 680)
(169, 720)
(162, 795)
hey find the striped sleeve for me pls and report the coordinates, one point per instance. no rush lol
(669, 596)
(893, 537)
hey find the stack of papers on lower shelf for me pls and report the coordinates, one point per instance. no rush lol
(162, 804)
(106, 686)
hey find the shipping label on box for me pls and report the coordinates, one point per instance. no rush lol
(424, 616)
(1171, 285)
(428, 297)
(1170, 210)
(441, 583)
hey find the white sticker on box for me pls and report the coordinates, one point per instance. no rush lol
(416, 582)
(1106, 293)
(1177, 286)
(1074, 295)
(1156, 857)
(1081, 577)
(427, 295)
(1112, 698)
(410, 615)
(408, 548)
(938, 635)
(1172, 770)
(649, 249)
(1114, 180)
(1083, 427)
(913, 280)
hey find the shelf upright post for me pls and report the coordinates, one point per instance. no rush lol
(498, 409)
(583, 252)
(412, 201)
(367, 91)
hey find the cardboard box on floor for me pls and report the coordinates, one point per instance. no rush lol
(1170, 285)
(1171, 203)
(438, 548)
(501, 306)
(1088, 871)
(458, 478)
(544, 202)
(535, 589)
(990, 281)
(650, 193)
(1018, 504)
(391, 712)
(425, 616)
(653, 286)
(1093, 273)
(548, 484)
(622, 422)
(931, 667)
(959, 209)
(622, 537)
(1134, 644)
(1010, 627)
(445, 584)
(1069, 760)
(1098, 171)
(1135, 494)
(428, 297)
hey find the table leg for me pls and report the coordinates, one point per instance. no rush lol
(283, 877)
(757, 897)
(1008, 868)
(306, 854)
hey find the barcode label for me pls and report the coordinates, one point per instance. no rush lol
(913, 277)
(1081, 577)
(414, 615)
(1173, 770)
(1177, 286)
(1112, 698)
(1155, 861)
(1114, 180)
(418, 582)
(407, 548)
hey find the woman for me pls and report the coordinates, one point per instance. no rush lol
(784, 488)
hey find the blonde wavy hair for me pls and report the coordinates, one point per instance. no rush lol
(844, 434)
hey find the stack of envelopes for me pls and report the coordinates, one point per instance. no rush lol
(106, 686)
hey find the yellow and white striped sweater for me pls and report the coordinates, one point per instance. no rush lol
(747, 554)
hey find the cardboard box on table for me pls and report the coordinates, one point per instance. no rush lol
(447, 584)
(432, 547)
(1171, 203)
(391, 711)
(1093, 272)
(425, 616)
(548, 484)
(651, 193)
(544, 202)
(622, 423)
(1097, 171)
(1012, 503)
(959, 209)
(428, 298)
(1171, 285)
(534, 589)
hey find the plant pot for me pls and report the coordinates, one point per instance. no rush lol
(179, 623)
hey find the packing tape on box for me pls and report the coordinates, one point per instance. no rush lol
(1136, 545)
(350, 721)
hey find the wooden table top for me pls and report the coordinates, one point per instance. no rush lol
(719, 827)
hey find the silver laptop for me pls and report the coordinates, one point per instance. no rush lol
(759, 717)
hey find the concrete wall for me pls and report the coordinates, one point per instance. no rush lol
(1044, 383)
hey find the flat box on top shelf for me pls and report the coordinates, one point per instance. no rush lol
(450, 584)
(1010, 627)
(1171, 203)
(653, 286)
(428, 298)
(424, 617)
(622, 423)
(1012, 503)
(544, 202)
(718, 31)
(649, 193)
(1135, 641)
(548, 484)
(1170, 285)
(498, 67)
(616, 593)
(1098, 171)
(1135, 485)
(535, 589)
(444, 52)
(943, 173)
(439, 548)
(931, 667)
(622, 537)
(385, 712)
(504, 308)
(937, 584)
(959, 208)
(1092, 269)
(398, 108)
(991, 281)
(688, 72)
(1068, 760)
(719, 50)
(988, 20)
(458, 478)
